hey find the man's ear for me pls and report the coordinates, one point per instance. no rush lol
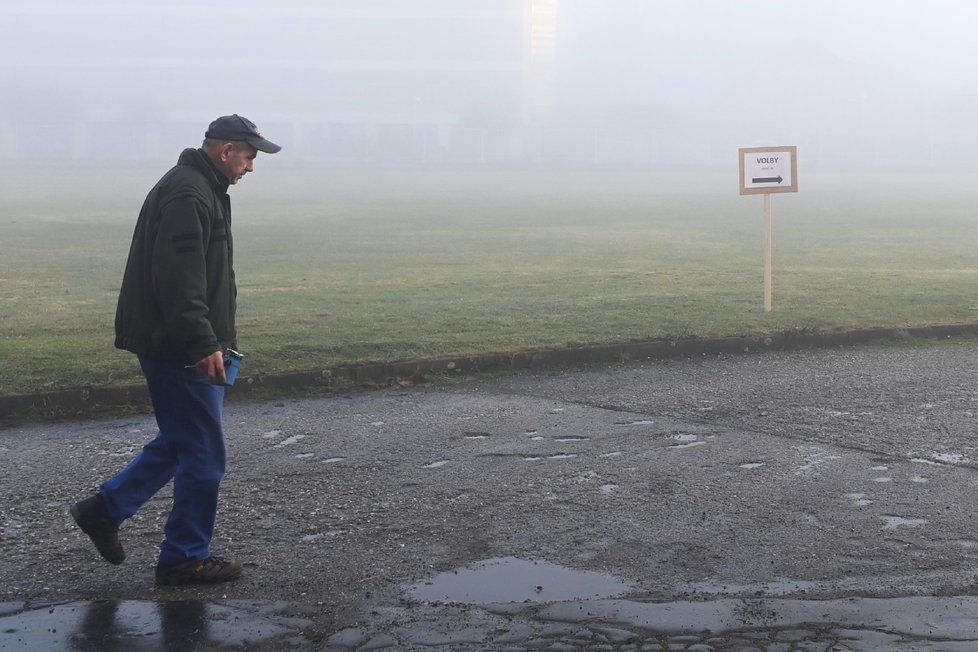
(225, 151)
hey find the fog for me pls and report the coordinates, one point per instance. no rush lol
(870, 83)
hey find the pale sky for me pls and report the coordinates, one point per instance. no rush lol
(670, 57)
(931, 43)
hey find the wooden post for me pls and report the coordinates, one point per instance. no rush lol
(768, 170)
(767, 252)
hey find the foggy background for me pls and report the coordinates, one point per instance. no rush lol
(868, 83)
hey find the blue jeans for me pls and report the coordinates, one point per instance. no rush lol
(189, 449)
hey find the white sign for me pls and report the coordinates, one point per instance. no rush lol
(768, 169)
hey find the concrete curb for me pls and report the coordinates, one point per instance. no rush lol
(96, 401)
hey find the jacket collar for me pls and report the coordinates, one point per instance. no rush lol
(198, 159)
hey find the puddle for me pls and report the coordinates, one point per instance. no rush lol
(328, 534)
(289, 441)
(950, 458)
(816, 459)
(752, 465)
(684, 437)
(859, 499)
(686, 440)
(435, 465)
(937, 459)
(572, 439)
(893, 522)
(141, 625)
(508, 579)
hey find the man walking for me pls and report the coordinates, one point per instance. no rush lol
(176, 313)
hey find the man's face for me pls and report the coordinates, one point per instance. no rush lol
(236, 160)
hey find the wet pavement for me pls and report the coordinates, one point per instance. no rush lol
(916, 623)
(808, 500)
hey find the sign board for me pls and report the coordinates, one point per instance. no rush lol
(765, 170)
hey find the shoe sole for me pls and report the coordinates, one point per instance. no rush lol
(76, 515)
(174, 577)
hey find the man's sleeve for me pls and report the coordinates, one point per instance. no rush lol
(180, 276)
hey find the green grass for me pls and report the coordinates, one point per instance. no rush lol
(347, 266)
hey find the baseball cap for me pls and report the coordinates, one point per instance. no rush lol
(236, 127)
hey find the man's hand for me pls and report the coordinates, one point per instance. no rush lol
(213, 367)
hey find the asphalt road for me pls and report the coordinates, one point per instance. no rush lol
(818, 499)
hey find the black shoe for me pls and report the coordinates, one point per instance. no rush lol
(212, 570)
(91, 517)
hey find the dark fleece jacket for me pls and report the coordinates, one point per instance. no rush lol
(178, 294)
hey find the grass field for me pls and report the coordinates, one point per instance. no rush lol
(340, 266)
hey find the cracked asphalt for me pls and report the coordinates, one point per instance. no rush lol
(794, 500)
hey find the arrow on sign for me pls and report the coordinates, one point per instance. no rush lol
(776, 179)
